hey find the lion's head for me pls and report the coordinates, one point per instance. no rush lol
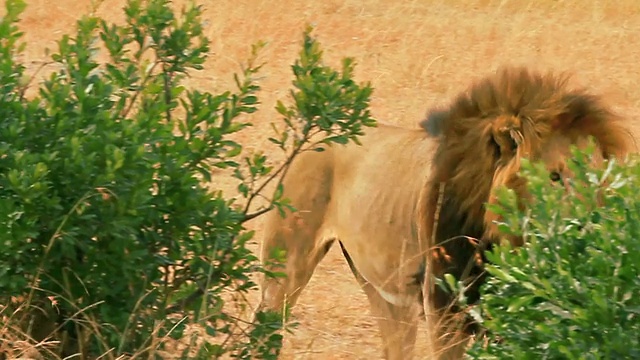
(482, 137)
(503, 118)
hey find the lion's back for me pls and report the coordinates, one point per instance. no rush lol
(389, 155)
(380, 179)
(386, 171)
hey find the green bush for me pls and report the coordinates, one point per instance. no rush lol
(573, 291)
(112, 242)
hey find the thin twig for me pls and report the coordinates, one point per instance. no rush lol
(32, 77)
(436, 219)
(167, 92)
(142, 83)
(49, 246)
(269, 179)
(282, 172)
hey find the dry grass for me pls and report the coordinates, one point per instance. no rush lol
(416, 54)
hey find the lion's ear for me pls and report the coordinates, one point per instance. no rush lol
(579, 107)
(507, 136)
(435, 122)
(590, 116)
(583, 111)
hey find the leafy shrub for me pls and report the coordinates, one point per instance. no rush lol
(111, 240)
(573, 292)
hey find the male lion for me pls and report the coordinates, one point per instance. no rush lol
(406, 192)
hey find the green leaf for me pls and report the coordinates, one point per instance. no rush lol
(501, 274)
(520, 302)
(451, 281)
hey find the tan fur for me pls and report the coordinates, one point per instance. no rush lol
(381, 200)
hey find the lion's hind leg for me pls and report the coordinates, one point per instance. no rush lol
(294, 246)
(299, 263)
(295, 242)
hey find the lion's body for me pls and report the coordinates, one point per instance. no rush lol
(383, 200)
(338, 194)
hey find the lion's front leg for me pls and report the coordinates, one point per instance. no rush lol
(449, 340)
(398, 324)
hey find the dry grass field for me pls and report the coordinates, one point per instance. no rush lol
(417, 54)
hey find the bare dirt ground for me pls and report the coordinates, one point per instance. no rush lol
(416, 54)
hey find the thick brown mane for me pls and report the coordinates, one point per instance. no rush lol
(483, 135)
(509, 115)
(546, 100)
